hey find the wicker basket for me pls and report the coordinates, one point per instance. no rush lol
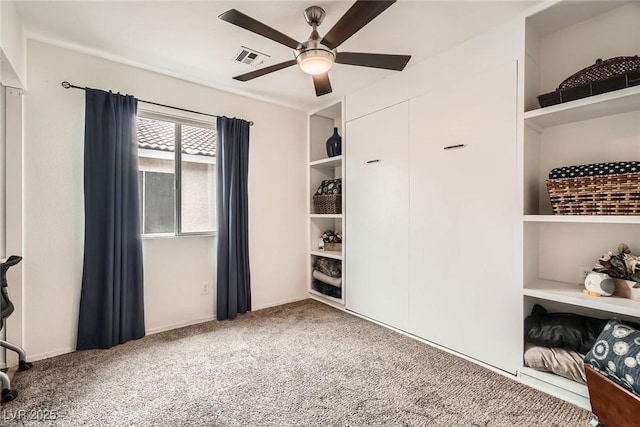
(336, 247)
(328, 204)
(596, 195)
(604, 76)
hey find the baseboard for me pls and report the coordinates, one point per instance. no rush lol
(152, 331)
(49, 354)
(58, 352)
(209, 318)
(556, 386)
(179, 325)
(424, 341)
(576, 398)
(275, 304)
(329, 302)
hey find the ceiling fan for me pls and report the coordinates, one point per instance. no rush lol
(316, 55)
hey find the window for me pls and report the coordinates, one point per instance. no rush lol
(177, 169)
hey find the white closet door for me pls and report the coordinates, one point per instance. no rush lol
(377, 204)
(464, 287)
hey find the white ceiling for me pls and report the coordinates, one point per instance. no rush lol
(186, 38)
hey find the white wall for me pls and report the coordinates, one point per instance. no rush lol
(174, 267)
(14, 113)
(2, 194)
(3, 165)
(13, 69)
(13, 74)
(462, 62)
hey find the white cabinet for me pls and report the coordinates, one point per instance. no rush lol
(377, 177)
(560, 40)
(321, 167)
(464, 291)
(456, 245)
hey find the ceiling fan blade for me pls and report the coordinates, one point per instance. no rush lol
(322, 84)
(374, 60)
(266, 70)
(360, 14)
(238, 18)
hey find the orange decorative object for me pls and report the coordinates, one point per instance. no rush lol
(593, 294)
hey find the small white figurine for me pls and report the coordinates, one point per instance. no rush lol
(599, 284)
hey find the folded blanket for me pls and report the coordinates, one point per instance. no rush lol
(561, 361)
(611, 168)
(566, 330)
(333, 281)
(327, 289)
(328, 266)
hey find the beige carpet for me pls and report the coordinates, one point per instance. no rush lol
(301, 364)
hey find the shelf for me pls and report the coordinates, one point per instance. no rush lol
(328, 216)
(321, 124)
(570, 293)
(331, 162)
(555, 385)
(584, 219)
(330, 298)
(557, 380)
(606, 104)
(327, 254)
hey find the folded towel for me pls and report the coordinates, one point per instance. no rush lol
(333, 281)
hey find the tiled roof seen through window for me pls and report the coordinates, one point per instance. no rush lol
(159, 135)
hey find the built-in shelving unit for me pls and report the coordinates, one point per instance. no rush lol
(583, 219)
(571, 293)
(558, 386)
(327, 254)
(606, 104)
(331, 162)
(601, 128)
(326, 216)
(321, 167)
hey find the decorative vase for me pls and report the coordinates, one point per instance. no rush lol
(334, 144)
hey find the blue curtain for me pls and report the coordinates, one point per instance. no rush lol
(111, 302)
(233, 278)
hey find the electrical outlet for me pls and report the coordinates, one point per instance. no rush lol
(583, 272)
(205, 288)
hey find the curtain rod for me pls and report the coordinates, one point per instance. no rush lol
(67, 85)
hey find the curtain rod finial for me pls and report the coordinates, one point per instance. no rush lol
(66, 84)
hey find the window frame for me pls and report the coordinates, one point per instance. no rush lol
(178, 122)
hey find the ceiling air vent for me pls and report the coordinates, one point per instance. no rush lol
(250, 57)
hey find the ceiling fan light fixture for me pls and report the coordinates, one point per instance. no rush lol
(316, 55)
(316, 61)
